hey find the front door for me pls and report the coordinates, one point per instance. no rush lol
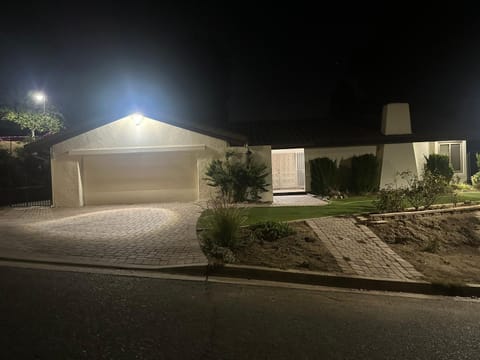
(288, 170)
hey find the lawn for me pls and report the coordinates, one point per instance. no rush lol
(352, 205)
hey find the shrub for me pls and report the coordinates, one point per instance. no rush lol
(239, 177)
(323, 173)
(440, 165)
(476, 180)
(222, 229)
(365, 174)
(425, 191)
(390, 199)
(271, 230)
(344, 175)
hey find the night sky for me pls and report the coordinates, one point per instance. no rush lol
(203, 63)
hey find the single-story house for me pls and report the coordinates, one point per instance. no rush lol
(138, 159)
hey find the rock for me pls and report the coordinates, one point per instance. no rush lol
(309, 239)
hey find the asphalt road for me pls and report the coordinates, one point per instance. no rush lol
(66, 315)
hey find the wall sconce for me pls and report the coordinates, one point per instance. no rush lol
(137, 118)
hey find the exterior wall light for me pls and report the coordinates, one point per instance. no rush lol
(137, 118)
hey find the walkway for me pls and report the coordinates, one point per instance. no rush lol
(359, 251)
(146, 234)
(297, 200)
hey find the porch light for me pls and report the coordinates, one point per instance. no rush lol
(137, 118)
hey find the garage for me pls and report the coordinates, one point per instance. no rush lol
(139, 178)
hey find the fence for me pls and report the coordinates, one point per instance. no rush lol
(25, 196)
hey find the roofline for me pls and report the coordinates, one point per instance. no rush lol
(370, 141)
(50, 140)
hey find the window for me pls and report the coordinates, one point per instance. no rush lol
(453, 151)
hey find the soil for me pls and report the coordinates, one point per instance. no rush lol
(444, 247)
(301, 251)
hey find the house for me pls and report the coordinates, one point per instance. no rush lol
(139, 159)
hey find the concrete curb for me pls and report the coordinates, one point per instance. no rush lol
(343, 281)
(269, 274)
(187, 269)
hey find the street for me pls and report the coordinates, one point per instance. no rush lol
(49, 314)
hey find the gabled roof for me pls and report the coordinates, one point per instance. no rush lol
(46, 142)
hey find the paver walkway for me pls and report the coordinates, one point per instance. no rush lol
(359, 251)
(146, 234)
(297, 200)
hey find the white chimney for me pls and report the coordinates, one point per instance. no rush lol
(396, 119)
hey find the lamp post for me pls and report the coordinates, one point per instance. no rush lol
(39, 98)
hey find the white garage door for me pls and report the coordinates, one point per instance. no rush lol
(139, 178)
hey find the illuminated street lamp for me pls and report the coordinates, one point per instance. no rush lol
(40, 98)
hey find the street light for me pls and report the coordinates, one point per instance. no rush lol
(39, 98)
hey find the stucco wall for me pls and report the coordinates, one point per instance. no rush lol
(336, 153)
(422, 150)
(67, 171)
(66, 182)
(264, 154)
(394, 159)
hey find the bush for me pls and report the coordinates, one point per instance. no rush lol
(271, 230)
(223, 228)
(323, 173)
(390, 199)
(239, 177)
(365, 174)
(344, 175)
(476, 180)
(425, 191)
(440, 165)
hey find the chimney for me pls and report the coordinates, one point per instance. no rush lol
(396, 119)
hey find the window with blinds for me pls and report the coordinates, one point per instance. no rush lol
(454, 153)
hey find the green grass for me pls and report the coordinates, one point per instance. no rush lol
(352, 205)
(462, 196)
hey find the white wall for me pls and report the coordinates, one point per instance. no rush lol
(264, 155)
(334, 153)
(394, 159)
(422, 150)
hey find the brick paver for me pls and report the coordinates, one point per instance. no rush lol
(146, 234)
(359, 251)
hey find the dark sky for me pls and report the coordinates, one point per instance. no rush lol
(206, 63)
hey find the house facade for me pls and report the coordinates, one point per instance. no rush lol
(137, 159)
(394, 157)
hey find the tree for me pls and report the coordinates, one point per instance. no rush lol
(46, 120)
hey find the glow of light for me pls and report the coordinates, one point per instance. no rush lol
(137, 118)
(39, 97)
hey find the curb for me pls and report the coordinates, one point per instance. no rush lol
(188, 269)
(342, 281)
(275, 275)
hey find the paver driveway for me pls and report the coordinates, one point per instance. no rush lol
(146, 234)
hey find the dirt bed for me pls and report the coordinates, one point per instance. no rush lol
(445, 248)
(301, 251)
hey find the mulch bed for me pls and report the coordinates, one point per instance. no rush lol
(301, 251)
